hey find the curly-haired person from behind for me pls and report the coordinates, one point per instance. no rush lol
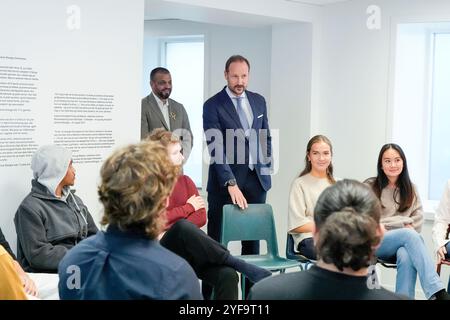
(126, 261)
(346, 233)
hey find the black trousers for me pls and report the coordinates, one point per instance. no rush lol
(306, 248)
(205, 256)
(253, 193)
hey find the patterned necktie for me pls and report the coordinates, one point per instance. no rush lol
(244, 122)
(241, 113)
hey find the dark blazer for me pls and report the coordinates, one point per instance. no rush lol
(152, 118)
(220, 113)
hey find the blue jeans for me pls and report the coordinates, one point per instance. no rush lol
(406, 246)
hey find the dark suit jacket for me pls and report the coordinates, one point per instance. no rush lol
(152, 118)
(226, 150)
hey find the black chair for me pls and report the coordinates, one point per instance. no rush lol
(291, 254)
(390, 263)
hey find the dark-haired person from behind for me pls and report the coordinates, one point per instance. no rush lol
(346, 233)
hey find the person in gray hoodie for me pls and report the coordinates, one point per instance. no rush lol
(51, 219)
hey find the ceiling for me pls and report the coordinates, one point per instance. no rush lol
(165, 10)
(317, 2)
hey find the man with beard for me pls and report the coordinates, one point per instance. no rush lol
(158, 111)
(239, 142)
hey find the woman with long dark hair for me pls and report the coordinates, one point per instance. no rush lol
(402, 216)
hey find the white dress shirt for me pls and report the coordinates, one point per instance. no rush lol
(164, 107)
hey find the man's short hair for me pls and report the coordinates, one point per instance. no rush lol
(158, 70)
(135, 183)
(236, 58)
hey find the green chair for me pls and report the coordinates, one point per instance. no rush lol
(254, 223)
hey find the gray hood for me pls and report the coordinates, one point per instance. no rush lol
(49, 165)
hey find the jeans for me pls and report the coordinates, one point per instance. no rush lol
(406, 246)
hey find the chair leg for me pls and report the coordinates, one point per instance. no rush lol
(308, 265)
(438, 269)
(243, 286)
(282, 270)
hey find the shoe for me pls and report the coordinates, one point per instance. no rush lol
(440, 295)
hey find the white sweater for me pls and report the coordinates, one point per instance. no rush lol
(442, 219)
(303, 197)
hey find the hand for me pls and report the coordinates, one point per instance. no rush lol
(441, 254)
(237, 197)
(197, 202)
(409, 225)
(28, 285)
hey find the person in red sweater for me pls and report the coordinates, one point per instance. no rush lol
(186, 214)
(185, 201)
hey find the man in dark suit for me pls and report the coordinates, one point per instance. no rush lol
(159, 111)
(237, 133)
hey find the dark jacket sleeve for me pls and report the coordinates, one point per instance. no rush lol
(31, 234)
(214, 140)
(6, 245)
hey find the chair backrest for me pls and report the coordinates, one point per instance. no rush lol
(290, 252)
(254, 223)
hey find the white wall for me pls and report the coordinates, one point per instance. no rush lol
(102, 56)
(290, 112)
(294, 11)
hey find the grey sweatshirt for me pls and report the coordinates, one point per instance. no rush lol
(48, 226)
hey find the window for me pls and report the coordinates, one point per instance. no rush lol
(439, 163)
(421, 106)
(184, 57)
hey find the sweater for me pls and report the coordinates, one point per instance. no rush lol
(305, 191)
(442, 219)
(391, 217)
(178, 207)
